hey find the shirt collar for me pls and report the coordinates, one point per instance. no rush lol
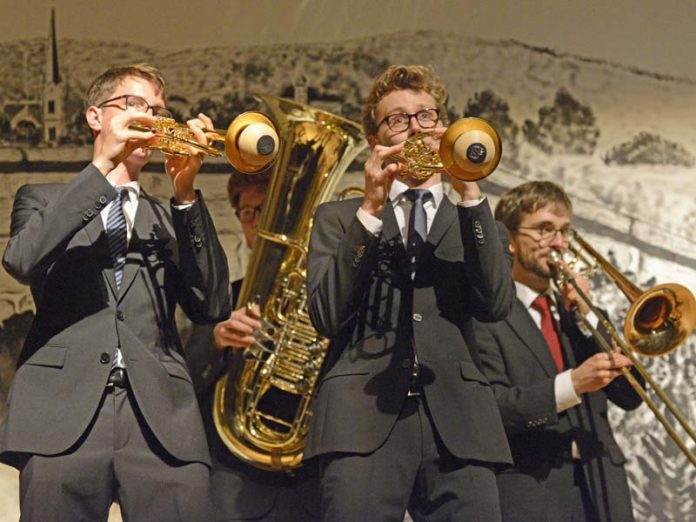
(133, 188)
(396, 193)
(526, 295)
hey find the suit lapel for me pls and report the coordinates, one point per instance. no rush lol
(392, 238)
(523, 325)
(142, 227)
(445, 216)
(97, 234)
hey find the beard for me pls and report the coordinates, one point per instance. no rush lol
(539, 266)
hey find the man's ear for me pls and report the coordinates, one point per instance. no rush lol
(511, 242)
(372, 141)
(93, 115)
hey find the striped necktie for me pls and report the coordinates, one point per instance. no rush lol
(117, 234)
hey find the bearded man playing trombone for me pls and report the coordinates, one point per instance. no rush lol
(102, 407)
(403, 417)
(551, 378)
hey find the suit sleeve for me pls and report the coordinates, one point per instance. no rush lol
(341, 255)
(521, 407)
(44, 219)
(487, 263)
(204, 292)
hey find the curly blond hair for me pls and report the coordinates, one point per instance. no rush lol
(403, 77)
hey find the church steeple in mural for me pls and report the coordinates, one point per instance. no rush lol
(53, 89)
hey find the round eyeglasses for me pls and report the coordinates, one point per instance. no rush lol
(399, 122)
(131, 101)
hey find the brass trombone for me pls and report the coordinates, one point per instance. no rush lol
(470, 150)
(657, 322)
(250, 142)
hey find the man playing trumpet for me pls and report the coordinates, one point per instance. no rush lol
(403, 418)
(102, 407)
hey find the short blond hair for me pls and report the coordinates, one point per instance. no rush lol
(403, 77)
(108, 81)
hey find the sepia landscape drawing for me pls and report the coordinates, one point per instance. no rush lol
(620, 140)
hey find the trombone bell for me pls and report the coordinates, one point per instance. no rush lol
(660, 319)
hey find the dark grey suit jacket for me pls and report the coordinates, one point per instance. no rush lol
(363, 298)
(517, 361)
(58, 246)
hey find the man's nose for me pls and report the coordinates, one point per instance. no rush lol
(414, 126)
(559, 242)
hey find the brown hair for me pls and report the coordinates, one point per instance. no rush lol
(107, 82)
(239, 182)
(403, 77)
(527, 198)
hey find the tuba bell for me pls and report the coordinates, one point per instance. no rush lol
(261, 405)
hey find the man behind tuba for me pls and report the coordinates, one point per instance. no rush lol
(240, 490)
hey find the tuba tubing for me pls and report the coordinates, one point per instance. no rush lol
(261, 405)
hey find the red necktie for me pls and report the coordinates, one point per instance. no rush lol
(548, 328)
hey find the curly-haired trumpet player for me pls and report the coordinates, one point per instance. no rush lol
(404, 418)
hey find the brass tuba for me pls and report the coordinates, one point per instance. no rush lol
(261, 405)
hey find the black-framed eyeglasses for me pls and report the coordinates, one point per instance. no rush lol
(138, 103)
(546, 234)
(399, 122)
(248, 214)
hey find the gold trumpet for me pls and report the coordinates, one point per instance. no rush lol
(251, 141)
(657, 322)
(470, 150)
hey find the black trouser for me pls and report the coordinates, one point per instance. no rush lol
(117, 458)
(413, 470)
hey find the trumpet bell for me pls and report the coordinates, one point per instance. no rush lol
(470, 149)
(251, 142)
(660, 319)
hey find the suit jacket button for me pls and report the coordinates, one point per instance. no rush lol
(417, 317)
(120, 315)
(102, 200)
(406, 363)
(104, 358)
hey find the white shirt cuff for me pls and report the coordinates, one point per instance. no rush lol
(564, 391)
(371, 223)
(471, 202)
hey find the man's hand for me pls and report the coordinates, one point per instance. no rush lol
(238, 330)
(117, 141)
(183, 169)
(571, 297)
(379, 174)
(598, 371)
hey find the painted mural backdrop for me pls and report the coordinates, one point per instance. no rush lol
(620, 140)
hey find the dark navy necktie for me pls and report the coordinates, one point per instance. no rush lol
(417, 226)
(117, 234)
